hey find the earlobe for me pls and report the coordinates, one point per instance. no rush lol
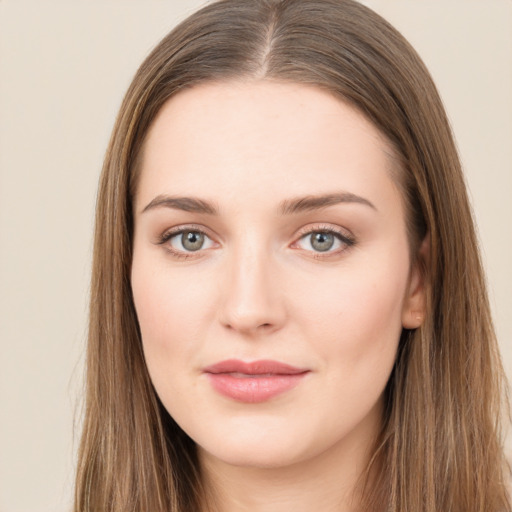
(414, 308)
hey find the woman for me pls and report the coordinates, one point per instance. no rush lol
(288, 308)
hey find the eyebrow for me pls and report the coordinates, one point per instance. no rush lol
(301, 204)
(286, 207)
(187, 204)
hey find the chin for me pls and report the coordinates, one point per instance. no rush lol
(265, 444)
(255, 455)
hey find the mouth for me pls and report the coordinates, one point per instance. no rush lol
(253, 382)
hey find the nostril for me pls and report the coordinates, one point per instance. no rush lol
(267, 326)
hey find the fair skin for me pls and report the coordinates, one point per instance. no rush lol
(251, 274)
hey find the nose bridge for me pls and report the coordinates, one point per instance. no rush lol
(252, 297)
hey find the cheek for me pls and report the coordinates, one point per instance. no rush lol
(355, 317)
(167, 303)
(353, 324)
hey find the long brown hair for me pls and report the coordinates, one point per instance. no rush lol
(440, 446)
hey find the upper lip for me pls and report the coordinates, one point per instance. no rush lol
(261, 367)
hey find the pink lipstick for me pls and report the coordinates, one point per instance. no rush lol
(253, 382)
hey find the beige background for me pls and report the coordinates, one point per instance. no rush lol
(64, 67)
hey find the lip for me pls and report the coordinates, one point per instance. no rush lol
(253, 382)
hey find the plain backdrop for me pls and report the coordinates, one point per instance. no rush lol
(64, 67)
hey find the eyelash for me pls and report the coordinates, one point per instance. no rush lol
(167, 235)
(348, 241)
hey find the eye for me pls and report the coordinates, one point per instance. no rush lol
(187, 240)
(324, 241)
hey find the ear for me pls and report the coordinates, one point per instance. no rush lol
(414, 306)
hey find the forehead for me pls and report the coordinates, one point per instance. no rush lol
(265, 138)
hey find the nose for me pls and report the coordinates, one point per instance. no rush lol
(252, 300)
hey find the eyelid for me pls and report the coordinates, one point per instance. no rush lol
(326, 228)
(168, 233)
(177, 230)
(343, 235)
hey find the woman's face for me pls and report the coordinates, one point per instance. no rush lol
(271, 271)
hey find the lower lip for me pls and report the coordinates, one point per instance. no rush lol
(253, 388)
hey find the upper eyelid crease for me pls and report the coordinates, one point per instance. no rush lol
(348, 240)
(305, 231)
(178, 230)
(343, 237)
(287, 207)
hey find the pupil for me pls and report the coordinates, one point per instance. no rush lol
(322, 241)
(192, 240)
